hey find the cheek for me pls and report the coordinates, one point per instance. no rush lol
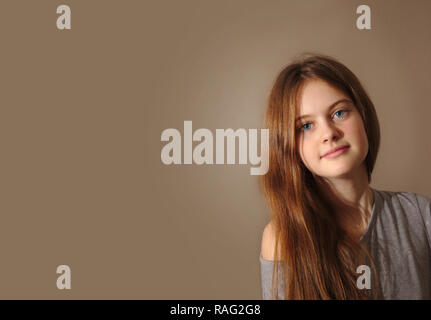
(300, 148)
(307, 151)
(355, 133)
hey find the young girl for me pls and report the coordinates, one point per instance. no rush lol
(332, 236)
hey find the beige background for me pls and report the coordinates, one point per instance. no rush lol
(82, 112)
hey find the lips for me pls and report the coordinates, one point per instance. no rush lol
(335, 150)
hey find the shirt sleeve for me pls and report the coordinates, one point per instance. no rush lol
(266, 267)
(425, 209)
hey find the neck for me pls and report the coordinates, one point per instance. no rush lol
(352, 200)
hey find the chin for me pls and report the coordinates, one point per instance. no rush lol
(340, 172)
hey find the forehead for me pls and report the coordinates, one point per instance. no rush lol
(317, 94)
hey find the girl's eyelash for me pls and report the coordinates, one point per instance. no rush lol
(345, 111)
(301, 128)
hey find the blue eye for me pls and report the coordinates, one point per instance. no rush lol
(342, 111)
(306, 125)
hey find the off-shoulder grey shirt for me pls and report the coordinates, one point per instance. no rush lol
(399, 239)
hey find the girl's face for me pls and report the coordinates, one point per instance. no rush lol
(327, 119)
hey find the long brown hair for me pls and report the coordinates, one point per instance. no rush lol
(318, 258)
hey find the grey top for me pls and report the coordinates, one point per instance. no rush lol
(399, 239)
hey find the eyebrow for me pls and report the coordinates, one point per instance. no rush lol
(330, 107)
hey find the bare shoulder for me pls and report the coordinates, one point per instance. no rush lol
(268, 242)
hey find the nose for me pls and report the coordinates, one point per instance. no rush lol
(330, 132)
